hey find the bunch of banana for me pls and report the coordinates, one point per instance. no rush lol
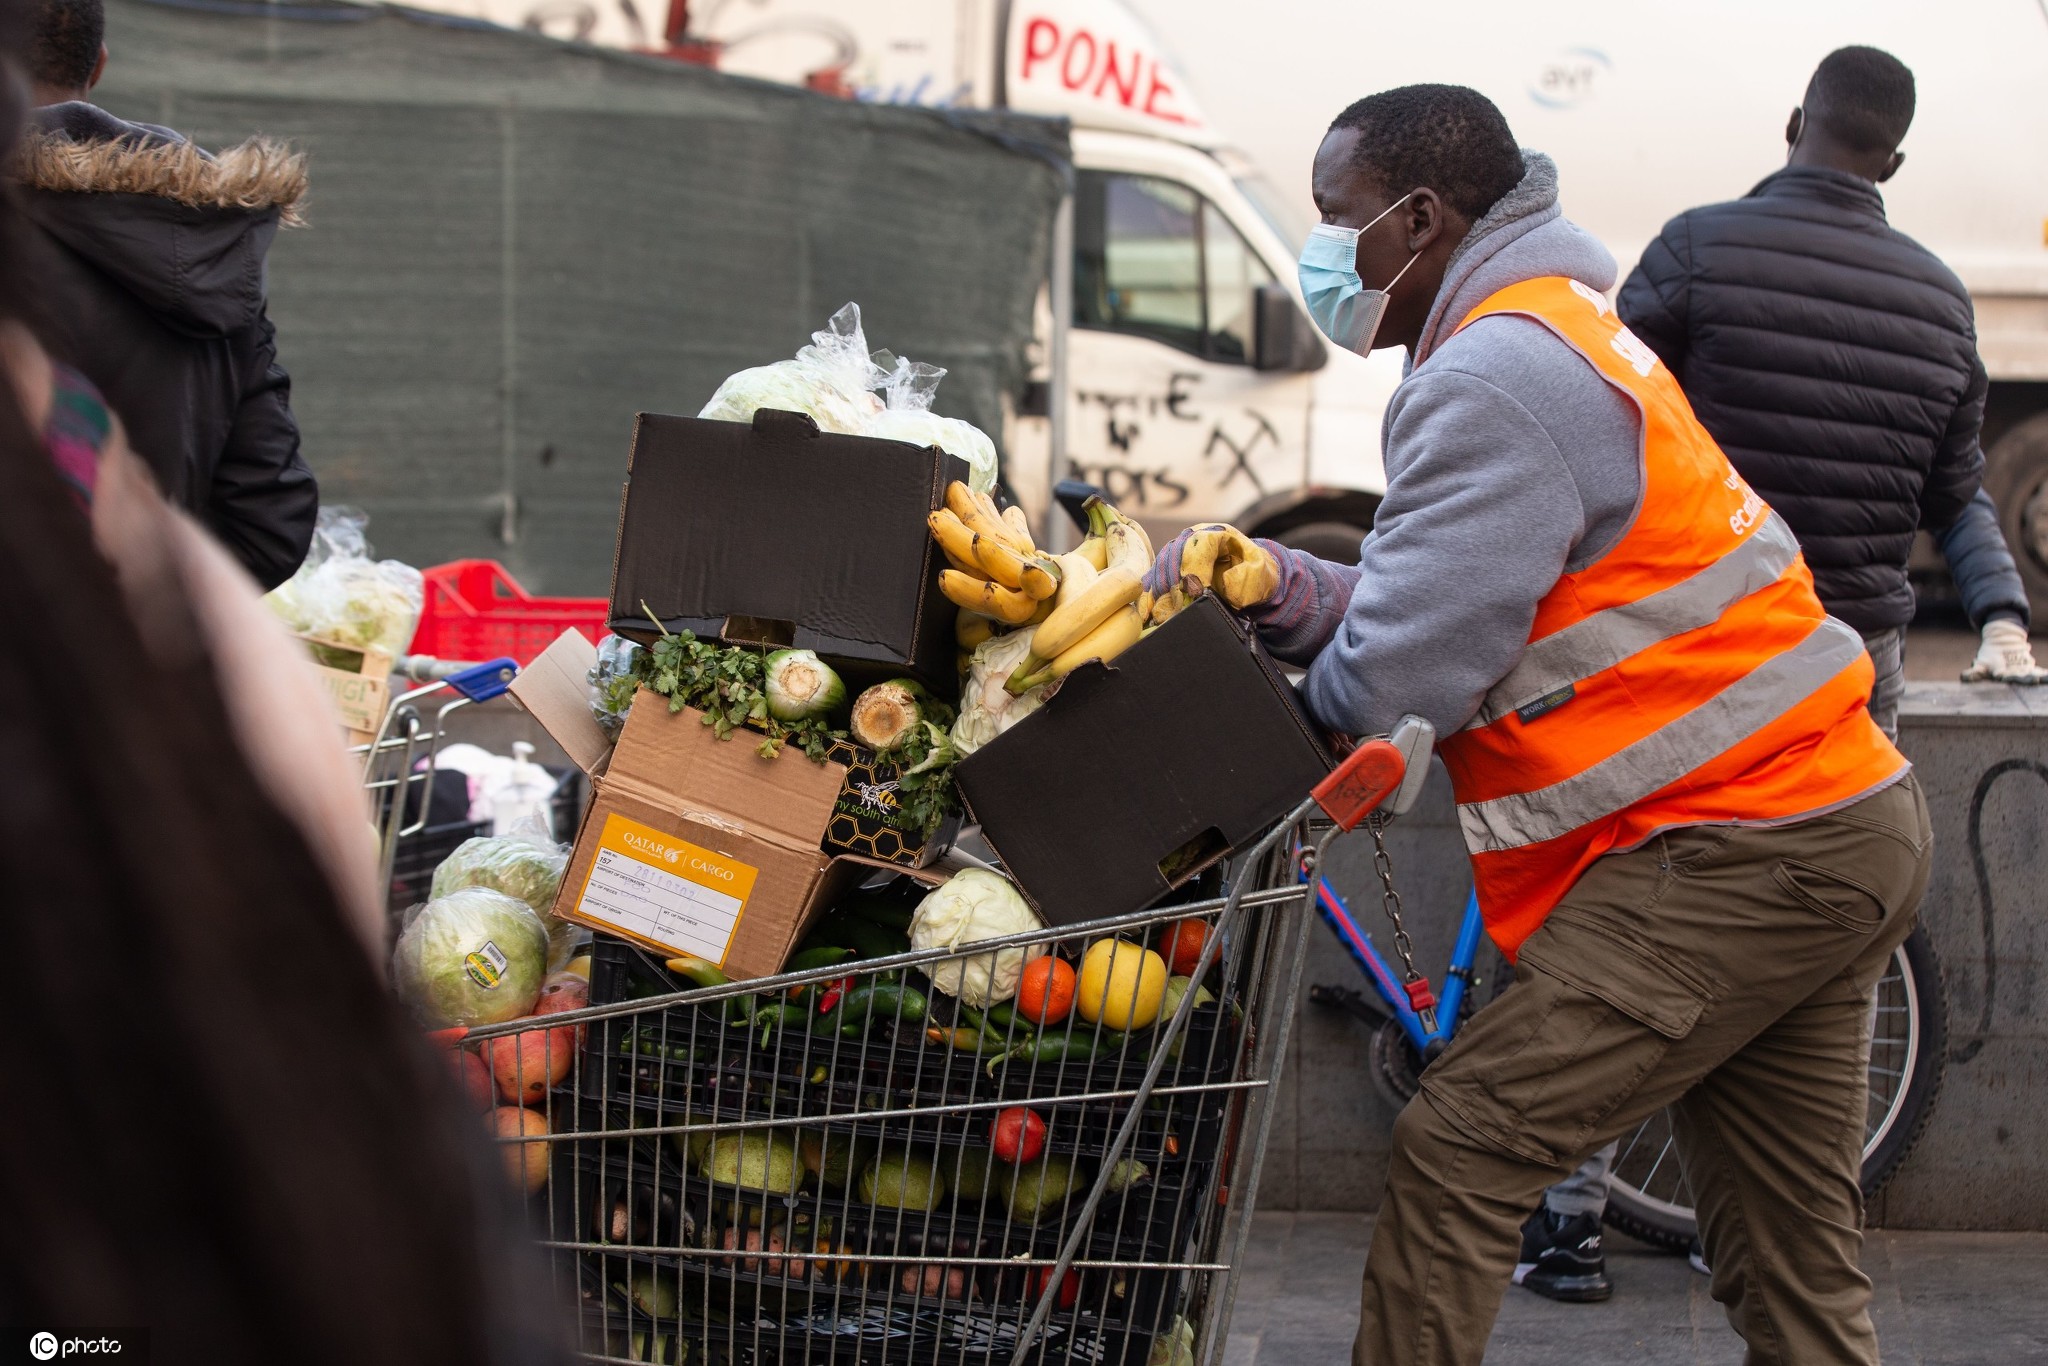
(1101, 607)
(997, 572)
(1242, 571)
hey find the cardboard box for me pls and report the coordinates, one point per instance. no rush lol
(773, 533)
(867, 820)
(1139, 774)
(359, 693)
(690, 844)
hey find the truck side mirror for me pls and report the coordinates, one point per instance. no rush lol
(1284, 338)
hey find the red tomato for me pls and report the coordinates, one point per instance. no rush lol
(1019, 1135)
(1070, 1285)
(1182, 943)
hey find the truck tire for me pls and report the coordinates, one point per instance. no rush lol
(1336, 542)
(2016, 477)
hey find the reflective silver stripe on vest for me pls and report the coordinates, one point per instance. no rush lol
(1604, 639)
(1668, 753)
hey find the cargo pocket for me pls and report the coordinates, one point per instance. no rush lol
(1589, 1017)
(1850, 905)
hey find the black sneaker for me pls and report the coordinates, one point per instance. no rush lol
(1561, 1258)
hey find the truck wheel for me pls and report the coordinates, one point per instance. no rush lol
(2018, 483)
(1336, 542)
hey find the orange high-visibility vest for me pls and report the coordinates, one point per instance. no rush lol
(1688, 676)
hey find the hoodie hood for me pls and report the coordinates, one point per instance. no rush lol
(1524, 236)
(184, 231)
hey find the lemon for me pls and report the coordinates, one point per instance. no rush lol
(1121, 986)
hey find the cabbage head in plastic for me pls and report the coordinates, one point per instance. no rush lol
(504, 863)
(473, 957)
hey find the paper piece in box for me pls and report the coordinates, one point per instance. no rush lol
(651, 886)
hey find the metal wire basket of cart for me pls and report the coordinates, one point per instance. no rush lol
(398, 761)
(845, 1163)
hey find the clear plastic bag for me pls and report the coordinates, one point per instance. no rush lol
(472, 957)
(341, 595)
(832, 379)
(907, 392)
(524, 863)
(611, 684)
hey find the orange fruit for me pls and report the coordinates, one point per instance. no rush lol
(1181, 945)
(526, 1163)
(1046, 991)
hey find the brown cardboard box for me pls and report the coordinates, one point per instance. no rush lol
(360, 694)
(691, 844)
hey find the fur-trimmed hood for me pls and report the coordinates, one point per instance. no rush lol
(185, 231)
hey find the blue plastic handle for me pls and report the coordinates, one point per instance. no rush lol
(482, 682)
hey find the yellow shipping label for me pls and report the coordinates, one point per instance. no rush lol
(664, 889)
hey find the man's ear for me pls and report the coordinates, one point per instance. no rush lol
(1425, 219)
(99, 68)
(1891, 168)
(1794, 126)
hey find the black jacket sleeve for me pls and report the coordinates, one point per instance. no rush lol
(263, 500)
(1958, 467)
(1986, 578)
(1652, 302)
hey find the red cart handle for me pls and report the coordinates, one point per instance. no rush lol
(1368, 776)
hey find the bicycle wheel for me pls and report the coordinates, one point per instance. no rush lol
(1647, 1195)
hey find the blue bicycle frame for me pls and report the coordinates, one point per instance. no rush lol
(1387, 982)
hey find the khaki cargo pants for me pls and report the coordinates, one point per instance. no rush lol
(1725, 970)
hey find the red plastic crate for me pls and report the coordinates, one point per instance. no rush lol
(477, 611)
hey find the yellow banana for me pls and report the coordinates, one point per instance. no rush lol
(1008, 534)
(1251, 582)
(1015, 520)
(1076, 573)
(990, 599)
(972, 628)
(1145, 604)
(1033, 574)
(1096, 551)
(1225, 559)
(979, 514)
(1115, 635)
(1175, 599)
(1072, 620)
(957, 541)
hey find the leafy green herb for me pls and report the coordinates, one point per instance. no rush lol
(925, 771)
(727, 683)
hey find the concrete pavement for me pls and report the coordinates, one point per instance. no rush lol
(1943, 1299)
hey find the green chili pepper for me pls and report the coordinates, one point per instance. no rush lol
(1069, 1045)
(877, 1000)
(1003, 1015)
(984, 1025)
(779, 1015)
(823, 956)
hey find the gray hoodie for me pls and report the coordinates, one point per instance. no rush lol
(1509, 462)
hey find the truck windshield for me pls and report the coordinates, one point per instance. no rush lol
(1282, 214)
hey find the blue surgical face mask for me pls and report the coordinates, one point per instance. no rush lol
(1347, 312)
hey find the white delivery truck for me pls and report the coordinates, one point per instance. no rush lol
(1193, 386)
(1177, 369)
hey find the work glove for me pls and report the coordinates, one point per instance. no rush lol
(2005, 656)
(1212, 556)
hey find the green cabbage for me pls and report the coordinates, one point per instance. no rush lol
(505, 863)
(472, 957)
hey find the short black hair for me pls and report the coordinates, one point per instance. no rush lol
(64, 41)
(1446, 138)
(1863, 97)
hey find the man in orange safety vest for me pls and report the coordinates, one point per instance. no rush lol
(1685, 829)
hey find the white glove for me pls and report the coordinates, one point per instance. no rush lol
(2006, 656)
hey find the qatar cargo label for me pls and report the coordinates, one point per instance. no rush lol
(666, 891)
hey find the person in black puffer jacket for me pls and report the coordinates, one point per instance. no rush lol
(1835, 360)
(152, 271)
